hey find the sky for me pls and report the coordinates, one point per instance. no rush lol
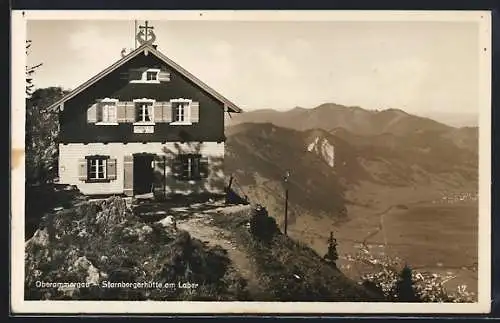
(425, 68)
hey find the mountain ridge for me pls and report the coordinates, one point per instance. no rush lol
(331, 115)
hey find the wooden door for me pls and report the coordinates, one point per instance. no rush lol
(128, 175)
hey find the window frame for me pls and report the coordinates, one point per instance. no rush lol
(186, 111)
(103, 105)
(151, 117)
(144, 76)
(99, 159)
(193, 160)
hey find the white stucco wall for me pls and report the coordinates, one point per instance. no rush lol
(70, 154)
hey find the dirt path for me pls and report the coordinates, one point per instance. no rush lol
(200, 226)
(380, 227)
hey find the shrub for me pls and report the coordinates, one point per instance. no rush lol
(262, 226)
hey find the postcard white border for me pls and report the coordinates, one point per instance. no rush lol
(19, 305)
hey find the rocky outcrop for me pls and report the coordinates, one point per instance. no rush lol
(77, 252)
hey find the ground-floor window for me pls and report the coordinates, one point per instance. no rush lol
(97, 168)
(190, 167)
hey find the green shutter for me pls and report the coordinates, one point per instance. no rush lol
(177, 167)
(128, 175)
(130, 111)
(82, 169)
(167, 112)
(135, 74)
(203, 167)
(121, 114)
(158, 112)
(92, 113)
(164, 76)
(111, 169)
(195, 111)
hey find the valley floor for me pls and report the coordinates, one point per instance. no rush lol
(429, 231)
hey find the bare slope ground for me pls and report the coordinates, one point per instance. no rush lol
(270, 270)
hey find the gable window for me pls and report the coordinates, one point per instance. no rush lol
(144, 111)
(181, 111)
(106, 112)
(150, 75)
(190, 167)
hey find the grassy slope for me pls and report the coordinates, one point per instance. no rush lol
(106, 241)
(405, 170)
(291, 271)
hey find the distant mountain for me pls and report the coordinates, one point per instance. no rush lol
(327, 166)
(329, 116)
(455, 119)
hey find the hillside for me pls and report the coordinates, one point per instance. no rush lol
(329, 116)
(326, 166)
(97, 246)
(361, 187)
(259, 155)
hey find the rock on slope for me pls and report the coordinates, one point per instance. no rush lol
(103, 241)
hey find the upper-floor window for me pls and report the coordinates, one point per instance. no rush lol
(106, 111)
(144, 111)
(181, 109)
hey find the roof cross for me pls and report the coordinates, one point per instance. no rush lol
(146, 28)
(146, 34)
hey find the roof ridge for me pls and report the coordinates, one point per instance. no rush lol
(131, 55)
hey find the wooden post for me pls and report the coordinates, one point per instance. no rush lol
(285, 179)
(230, 183)
(164, 177)
(286, 209)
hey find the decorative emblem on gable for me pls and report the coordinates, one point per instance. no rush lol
(146, 34)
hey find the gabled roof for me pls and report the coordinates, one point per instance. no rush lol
(230, 105)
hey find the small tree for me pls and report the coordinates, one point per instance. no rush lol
(29, 73)
(332, 255)
(404, 290)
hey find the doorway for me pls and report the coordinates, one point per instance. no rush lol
(143, 173)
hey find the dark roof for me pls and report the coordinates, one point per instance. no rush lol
(230, 105)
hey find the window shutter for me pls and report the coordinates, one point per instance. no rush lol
(111, 169)
(167, 112)
(173, 111)
(135, 73)
(203, 167)
(164, 76)
(158, 116)
(128, 175)
(99, 112)
(121, 114)
(92, 113)
(159, 170)
(129, 112)
(195, 111)
(151, 112)
(82, 169)
(177, 167)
